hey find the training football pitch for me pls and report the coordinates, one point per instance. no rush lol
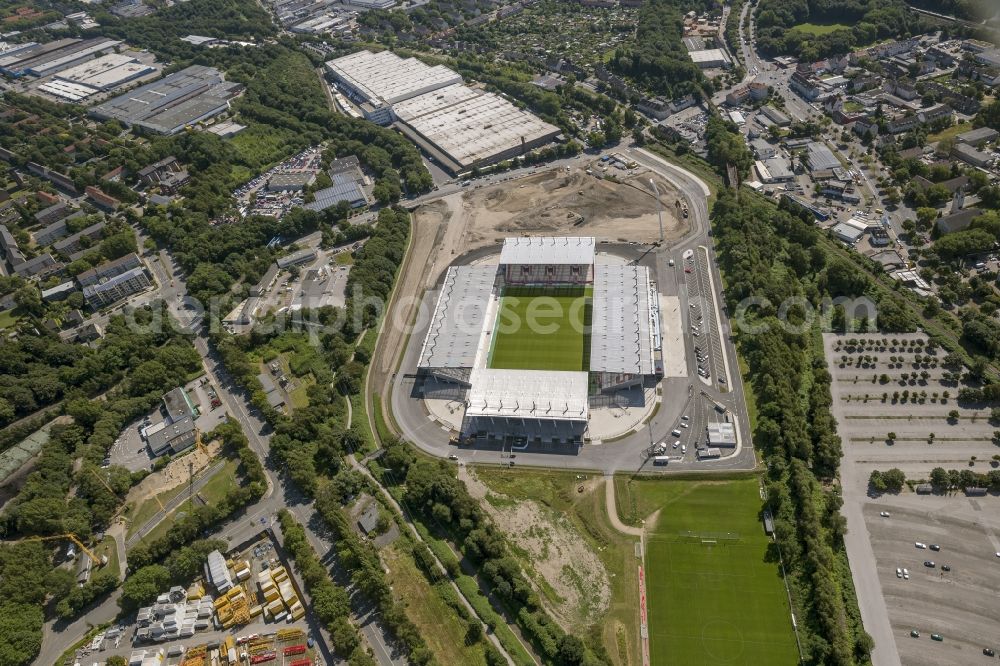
(542, 328)
(715, 603)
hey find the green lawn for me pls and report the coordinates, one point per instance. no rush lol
(949, 132)
(820, 29)
(542, 328)
(720, 603)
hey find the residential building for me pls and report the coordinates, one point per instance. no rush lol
(116, 288)
(108, 270)
(76, 242)
(167, 174)
(41, 266)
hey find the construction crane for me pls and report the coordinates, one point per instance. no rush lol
(72, 537)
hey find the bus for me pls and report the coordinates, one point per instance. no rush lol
(661, 460)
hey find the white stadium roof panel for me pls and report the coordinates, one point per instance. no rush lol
(548, 250)
(528, 394)
(456, 329)
(620, 338)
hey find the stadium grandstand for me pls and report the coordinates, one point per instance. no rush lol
(534, 340)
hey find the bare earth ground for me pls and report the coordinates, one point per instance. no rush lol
(558, 554)
(175, 474)
(549, 203)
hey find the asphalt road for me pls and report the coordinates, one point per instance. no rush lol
(628, 454)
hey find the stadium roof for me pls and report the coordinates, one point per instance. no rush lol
(620, 338)
(456, 330)
(528, 394)
(548, 250)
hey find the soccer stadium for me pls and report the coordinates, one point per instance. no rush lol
(536, 341)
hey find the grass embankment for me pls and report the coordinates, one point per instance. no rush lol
(586, 512)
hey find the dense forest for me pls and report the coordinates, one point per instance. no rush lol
(862, 22)
(657, 60)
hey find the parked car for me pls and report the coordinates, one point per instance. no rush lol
(934, 547)
(884, 514)
(937, 637)
(919, 545)
(989, 652)
(914, 633)
(945, 567)
(899, 572)
(906, 574)
(929, 564)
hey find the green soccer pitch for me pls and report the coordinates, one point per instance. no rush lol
(718, 603)
(542, 328)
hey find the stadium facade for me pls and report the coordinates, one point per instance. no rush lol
(529, 370)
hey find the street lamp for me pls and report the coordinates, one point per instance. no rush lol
(659, 207)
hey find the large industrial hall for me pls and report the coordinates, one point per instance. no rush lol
(460, 126)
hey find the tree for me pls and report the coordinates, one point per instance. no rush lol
(939, 478)
(143, 586)
(877, 481)
(116, 660)
(894, 479)
(891, 436)
(953, 415)
(571, 650)
(29, 298)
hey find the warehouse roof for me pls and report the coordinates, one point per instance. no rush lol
(472, 127)
(548, 250)
(344, 188)
(530, 394)
(385, 77)
(980, 134)
(620, 338)
(456, 328)
(820, 157)
(708, 55)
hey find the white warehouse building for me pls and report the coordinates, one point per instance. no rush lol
(461, 127)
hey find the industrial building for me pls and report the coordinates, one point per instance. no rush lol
(300, 257)
(344, 188)
(466, 128)
(174, 102)
(978, 136)
(176, 431)
(291, 182)
(376, 81)
(820, 158)
(95, 76)
(541, 406)
(116, 288)
(710, 58)
(45, 59)
(460, 126)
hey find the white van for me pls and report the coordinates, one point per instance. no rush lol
(675, 433)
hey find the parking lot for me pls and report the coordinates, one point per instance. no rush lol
(703, 321)
(895, 402)
(130, 451)
(962, 605)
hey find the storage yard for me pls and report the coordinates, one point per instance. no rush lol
(247, 609)
(461, 127)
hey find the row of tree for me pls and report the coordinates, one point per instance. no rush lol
(774, 255)
(330, 602)
(443, 504)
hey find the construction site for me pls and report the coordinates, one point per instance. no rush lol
(609, 199)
